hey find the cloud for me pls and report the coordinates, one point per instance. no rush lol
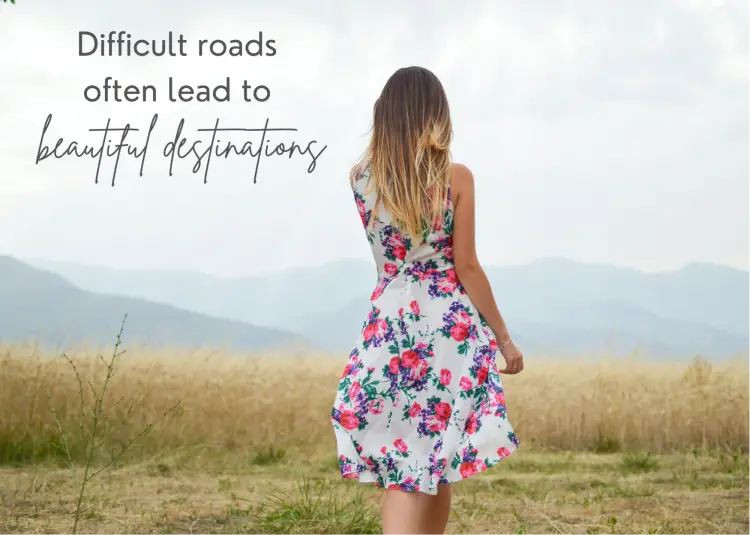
(607, 131)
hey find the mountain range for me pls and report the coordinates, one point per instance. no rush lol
(552, 306)
(44, 308)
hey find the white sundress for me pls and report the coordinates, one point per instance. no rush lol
(420, 402)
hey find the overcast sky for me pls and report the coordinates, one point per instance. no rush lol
(601, 131)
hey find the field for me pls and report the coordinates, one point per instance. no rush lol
(237, 443)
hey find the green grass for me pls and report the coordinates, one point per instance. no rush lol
(269, 455)
(639, 463)
(210, 491)
(313, 507)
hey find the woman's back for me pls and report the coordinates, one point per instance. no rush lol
(399, 256)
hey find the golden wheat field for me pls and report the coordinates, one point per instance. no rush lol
(242, 443)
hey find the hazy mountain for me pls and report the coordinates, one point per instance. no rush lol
(264, 300)
(554, 306)
(44, 307)
(699, 294)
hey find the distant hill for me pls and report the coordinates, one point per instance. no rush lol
(44, 307)
(698, 294)
(263, 300)
(555, 306)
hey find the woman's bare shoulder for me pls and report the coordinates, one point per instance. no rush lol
(462, 179)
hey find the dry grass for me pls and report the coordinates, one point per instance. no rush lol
(607, 446)
(239, 403)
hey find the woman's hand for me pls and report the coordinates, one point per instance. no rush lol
(513, 359)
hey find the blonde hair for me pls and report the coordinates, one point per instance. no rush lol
(409, 151)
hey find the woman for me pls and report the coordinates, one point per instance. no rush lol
(420, 404)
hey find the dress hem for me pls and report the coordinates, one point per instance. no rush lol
(367, 476)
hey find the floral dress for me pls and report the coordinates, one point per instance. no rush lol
(420, 402)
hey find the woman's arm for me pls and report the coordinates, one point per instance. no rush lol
(470, 272)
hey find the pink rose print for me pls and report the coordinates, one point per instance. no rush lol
(349, 420)
(414, 307)
(443, 411)
(420, 370)
(400, 445)
(436, 426)
(410, 358)
(471, 468)
(347, 370)
(503, 452)
(467, 469)
(445, 377)
(414, 410)
(471, 423)
(354, 390)
(393, 365)
(448, 283)
(390, 268)
(465, 383)
(362, 212)
(376, 406)
(370, 331)
(482, 374)
(459, 332)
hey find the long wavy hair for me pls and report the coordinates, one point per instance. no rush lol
(409, 151)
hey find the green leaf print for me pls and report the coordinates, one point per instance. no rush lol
(393, 349)
(370, 392)
(344, 385)
(396, 477)
(455, 463)
(387, 393)
(366, 381)
(466, 394)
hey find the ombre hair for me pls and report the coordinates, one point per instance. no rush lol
(409, 152)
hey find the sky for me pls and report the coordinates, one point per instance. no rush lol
(610, 132)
